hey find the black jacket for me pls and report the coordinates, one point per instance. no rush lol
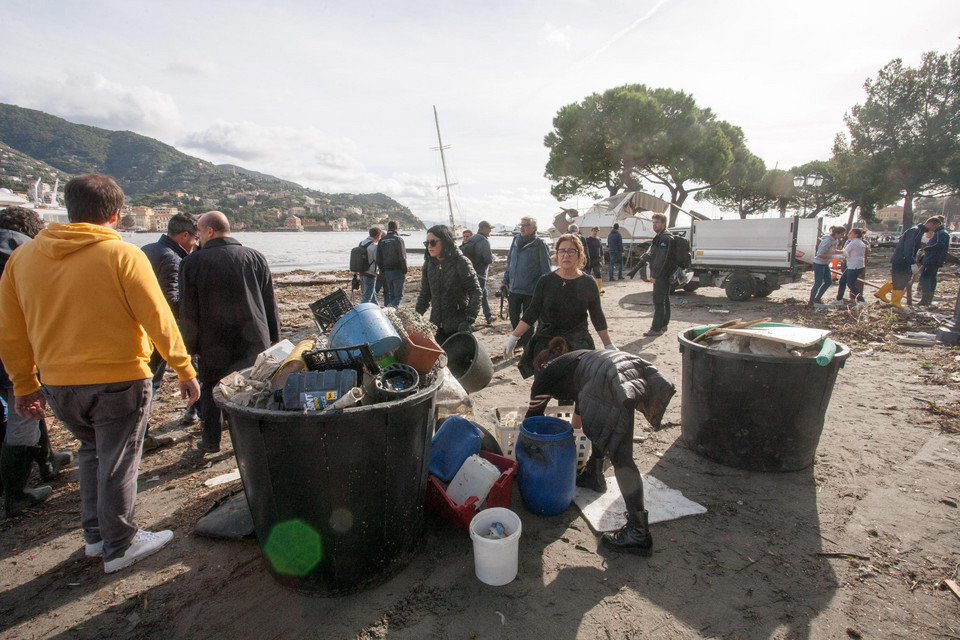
(9, 240)
(391, 253)
(452, 291)
(165, 256)
(228, 313)
(660, 256)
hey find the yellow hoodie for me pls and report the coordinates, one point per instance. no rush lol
(78, 303)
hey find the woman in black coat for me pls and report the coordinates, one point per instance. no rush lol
(607, 386)
(448, 284)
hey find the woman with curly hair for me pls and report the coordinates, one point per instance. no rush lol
(448, 284)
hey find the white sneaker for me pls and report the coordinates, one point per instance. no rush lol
(144, 543)
(94, 550)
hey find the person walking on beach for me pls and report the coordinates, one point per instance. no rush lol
(165, 255)
(477, 250)
(822, 276)
(93, 349)
(368, 278)
(615, 249)
(228, 314)
(660, 256)
(855, 253)
(448, 285)
(527, 260)
(594, 251)
(606, 386)
(24, 438)
(392, 264)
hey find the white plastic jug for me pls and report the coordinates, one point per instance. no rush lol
(475, 478)
(495, 560)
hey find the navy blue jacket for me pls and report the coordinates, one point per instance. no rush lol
(907, 247)
(165, 255)
(615, 242)
(935, 253)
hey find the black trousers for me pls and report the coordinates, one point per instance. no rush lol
(517, 304)
(210, 415)
(661, 304)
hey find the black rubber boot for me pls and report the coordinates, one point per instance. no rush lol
(50, 463)
(592, 475)
(15, 465)
(633, 537)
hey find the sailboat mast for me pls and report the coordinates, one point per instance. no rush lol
(443, 161)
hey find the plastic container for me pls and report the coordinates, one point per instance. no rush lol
(394, 382)
(468, 361)
(327, 310)
(508, 419)
(336, 499)
(546, 465)
(474, 479)
(316, 390)
(460, 516)
(496, 560)
(420, 352)
(365, 323)
(456, 440)
(753, 412)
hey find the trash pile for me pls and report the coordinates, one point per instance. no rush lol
(765, 338)
(364, 355)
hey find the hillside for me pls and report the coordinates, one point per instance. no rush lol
(34, 144)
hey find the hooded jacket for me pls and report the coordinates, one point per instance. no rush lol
(451, 290)
(82, 306)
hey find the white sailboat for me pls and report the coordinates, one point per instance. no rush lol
(456, 229)
(49, 209)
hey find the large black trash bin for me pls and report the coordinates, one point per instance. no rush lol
(337, 501)
(754, 412)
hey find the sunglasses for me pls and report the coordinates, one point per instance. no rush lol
(431, 243)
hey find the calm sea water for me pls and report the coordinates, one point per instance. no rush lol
(313, 251)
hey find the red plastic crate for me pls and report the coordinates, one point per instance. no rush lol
(460, 516)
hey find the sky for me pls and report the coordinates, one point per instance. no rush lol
(339, 96)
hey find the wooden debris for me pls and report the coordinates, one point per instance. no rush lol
(954, 588)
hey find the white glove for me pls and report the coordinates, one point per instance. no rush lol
(509, 346)
(610, 346)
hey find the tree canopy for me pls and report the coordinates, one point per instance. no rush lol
(616, 140)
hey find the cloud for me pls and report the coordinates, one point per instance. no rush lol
(194, 65)
(559, 36)
(95, 100)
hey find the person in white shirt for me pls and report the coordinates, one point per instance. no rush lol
(855, 255)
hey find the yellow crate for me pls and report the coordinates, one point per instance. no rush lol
(508, 421)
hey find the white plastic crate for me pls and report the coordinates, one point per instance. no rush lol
(508, 421)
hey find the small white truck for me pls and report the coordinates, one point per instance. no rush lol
(751, 257)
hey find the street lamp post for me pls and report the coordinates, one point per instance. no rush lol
(812, 180)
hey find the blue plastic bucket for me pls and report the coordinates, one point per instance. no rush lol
(456, 440)
(365, 323)
(546, 464)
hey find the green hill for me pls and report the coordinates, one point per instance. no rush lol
(152, 173)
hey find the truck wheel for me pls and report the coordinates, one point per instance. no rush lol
(762, 289)
(740, 287)
(691, 286)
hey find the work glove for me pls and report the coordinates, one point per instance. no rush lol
(464, 327)
(509, 346)
(611, 346)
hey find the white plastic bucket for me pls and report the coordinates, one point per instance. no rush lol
(495, 560)
(475, 478)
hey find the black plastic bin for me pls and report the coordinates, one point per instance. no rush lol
(754, 412)
(337, 501)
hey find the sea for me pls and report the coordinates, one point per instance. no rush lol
(316, 251)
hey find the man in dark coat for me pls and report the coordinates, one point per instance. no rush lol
(477, 250)
(934, 257)
(392, 265)
(165, 255)
(660, 256)
(228, 314)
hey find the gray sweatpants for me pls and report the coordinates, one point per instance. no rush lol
(109, 420)
(21, 432)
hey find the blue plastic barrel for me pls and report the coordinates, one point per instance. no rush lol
(365, 323)
(546, 464)
(456, 440)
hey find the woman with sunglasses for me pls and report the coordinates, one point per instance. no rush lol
(561, 303)
(448, 284)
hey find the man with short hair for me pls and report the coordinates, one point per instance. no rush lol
(392, 263)
(369, 277)
(165, 256)
(615, 249)
(527, 260)
(660, 256)
(83, 307)
(24, 438)
(228, 314)
(477, 250)
(594, 253)
(934, 257)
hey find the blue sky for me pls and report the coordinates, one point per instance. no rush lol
(338, 96)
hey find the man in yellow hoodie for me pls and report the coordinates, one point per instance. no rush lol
(81, 309)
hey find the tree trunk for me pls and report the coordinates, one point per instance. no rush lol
(907, 209)
(678, 196)
(853, 209)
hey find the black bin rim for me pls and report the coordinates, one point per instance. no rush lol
(843, 352)
(276, 415)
